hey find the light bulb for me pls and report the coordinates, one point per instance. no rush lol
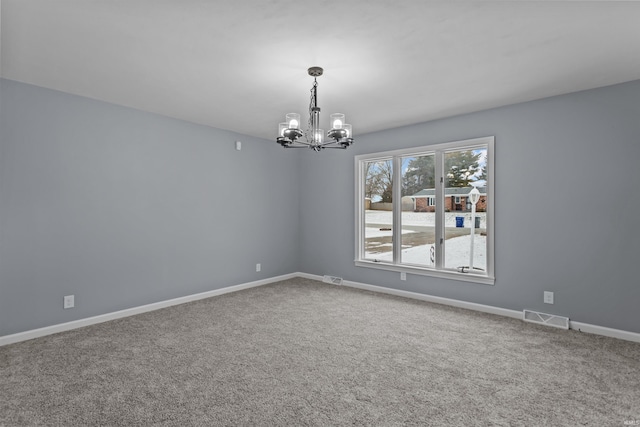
(337, 120)
(293, 119)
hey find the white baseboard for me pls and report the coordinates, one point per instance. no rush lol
(438, 300)
(54, 329)
(607, 332)
(578, 326)
(425, 297)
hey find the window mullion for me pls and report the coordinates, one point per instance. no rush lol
(360, 208)
(489, 208)
(397, 209)
(439, 210)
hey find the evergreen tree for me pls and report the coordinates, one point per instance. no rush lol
(420, 174)
(462, 168)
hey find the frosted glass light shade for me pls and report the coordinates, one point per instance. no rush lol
(474, 195)
(293, 120)
(282, 127)
(337, 121)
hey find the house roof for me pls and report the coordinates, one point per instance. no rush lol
(450, 191)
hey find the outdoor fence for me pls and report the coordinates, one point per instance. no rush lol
(380, 206)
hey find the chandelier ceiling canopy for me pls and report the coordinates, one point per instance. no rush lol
(290, 135)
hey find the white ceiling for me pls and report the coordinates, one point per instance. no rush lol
(241, 64)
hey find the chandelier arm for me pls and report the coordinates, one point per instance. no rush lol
(305, 143)
(333, 146)
(328, 143)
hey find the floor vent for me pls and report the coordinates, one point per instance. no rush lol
(545, 319)
(332, 280)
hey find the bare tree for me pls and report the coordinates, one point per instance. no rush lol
(379, 180)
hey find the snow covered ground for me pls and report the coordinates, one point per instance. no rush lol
(456, 253)
(457, 249)
(423, 218)
(376, 232)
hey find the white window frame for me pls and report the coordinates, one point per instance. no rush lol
(439, 151)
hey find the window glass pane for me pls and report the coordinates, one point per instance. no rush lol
(465, 246)
(418, 210)
(378, 215)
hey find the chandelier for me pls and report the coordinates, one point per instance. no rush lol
(291, 136)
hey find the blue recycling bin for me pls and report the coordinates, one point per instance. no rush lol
(459, 221)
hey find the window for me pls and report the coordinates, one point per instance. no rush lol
(415, 210)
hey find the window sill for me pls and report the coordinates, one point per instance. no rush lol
(443, 274)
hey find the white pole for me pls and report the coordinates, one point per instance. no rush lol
(474, 196)
(473, 232)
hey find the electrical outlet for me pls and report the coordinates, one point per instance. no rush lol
(403, 275)
(69, 301)
(258, 267)
(548, 297)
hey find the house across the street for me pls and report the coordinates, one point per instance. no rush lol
(456, 199)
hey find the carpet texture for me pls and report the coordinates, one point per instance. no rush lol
(300, 352)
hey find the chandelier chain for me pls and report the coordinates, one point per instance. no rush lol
(312, 102)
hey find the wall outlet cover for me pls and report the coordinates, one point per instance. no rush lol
(69, 301)
(548, 297)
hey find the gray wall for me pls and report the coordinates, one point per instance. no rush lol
(123, 208)
(574, 156)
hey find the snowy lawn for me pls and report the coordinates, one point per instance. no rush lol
(456, 253)
(423, 218)
(457, 249)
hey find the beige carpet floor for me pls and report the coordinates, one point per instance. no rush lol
(304, 353)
